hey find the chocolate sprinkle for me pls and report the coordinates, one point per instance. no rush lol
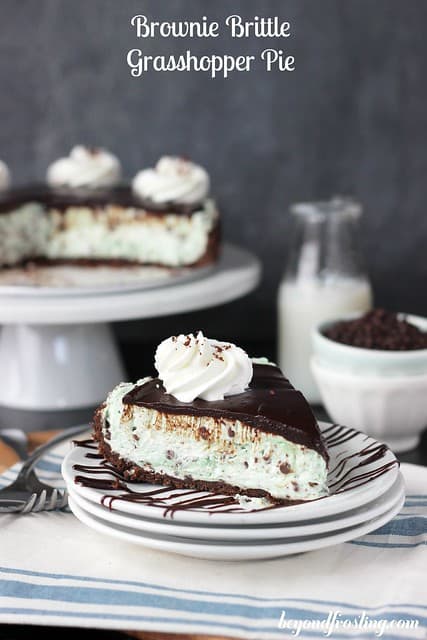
(378, 329)
(285, 468)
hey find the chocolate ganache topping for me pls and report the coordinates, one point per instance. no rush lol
(61, 198)
(270, 404)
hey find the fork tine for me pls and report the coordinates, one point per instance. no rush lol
(30, 504)
(27, 493)
(40, 504)
(53, 500)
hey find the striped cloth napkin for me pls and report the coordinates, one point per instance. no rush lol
(56, 571)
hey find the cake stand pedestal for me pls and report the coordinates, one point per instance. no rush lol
(57, 352)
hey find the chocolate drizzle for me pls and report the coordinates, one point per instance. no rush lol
(89, 443)
(284, 412)
(166, 498)
(343, 477)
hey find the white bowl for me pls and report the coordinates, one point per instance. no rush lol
(371, 361)
(383, 393)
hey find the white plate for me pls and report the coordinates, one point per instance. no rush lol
(236, 550)
(361, 469)
(360, 515)
(75, 280)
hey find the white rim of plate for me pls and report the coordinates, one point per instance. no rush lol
(348, 449)
(233, 550)
(360, 515)
(166, 277)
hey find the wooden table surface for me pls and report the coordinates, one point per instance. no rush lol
(8, 457)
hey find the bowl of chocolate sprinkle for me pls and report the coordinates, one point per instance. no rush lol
(371, 370)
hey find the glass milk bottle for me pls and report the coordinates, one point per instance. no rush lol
(324, 280)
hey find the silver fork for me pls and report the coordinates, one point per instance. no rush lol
(27, 493)
(17, 497)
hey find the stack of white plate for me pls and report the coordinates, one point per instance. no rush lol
(366, 491)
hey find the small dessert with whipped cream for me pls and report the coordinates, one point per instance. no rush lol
(86, 215)
(214, 419)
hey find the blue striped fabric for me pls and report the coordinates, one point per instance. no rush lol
(408, 529)
(86, 598)
(218, 614)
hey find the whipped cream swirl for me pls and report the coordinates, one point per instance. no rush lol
(196, 367)
(4, 176)
(85, 167)
(172, 180)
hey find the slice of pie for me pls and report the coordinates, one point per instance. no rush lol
(247, 431)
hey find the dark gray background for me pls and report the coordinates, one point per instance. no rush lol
(351, 119)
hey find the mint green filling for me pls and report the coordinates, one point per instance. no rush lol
(240, 460)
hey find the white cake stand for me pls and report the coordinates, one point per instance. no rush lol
(57, 352)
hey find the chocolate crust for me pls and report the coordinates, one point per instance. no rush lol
(133, 473)
(212, 248)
